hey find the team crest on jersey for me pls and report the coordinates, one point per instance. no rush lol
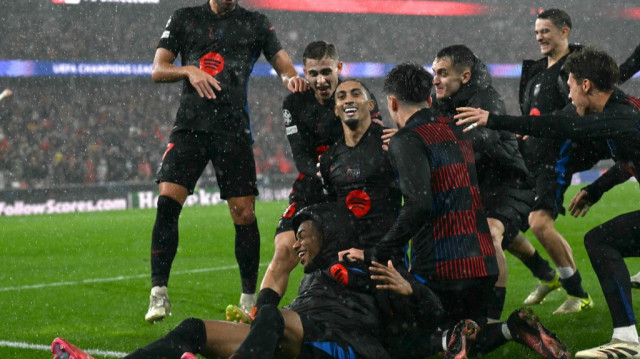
(287, 117)
(353, 172)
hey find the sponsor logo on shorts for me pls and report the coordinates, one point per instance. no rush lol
(165, 35)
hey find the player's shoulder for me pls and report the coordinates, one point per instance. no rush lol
(188, 11)
(297, 99)
(250, 14)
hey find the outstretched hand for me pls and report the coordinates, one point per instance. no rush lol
(473, 116)
(580, 204)
(394, 281)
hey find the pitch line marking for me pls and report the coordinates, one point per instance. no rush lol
(113, 279)
(22, 345)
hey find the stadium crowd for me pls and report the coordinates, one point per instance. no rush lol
(104, 133)
(94, 130)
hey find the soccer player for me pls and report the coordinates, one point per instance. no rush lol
(605, 112)
(452, 251)
(219, 42)
(463, 80)
(552, 162)
(311, 126)
(356, 169)
(326, 320)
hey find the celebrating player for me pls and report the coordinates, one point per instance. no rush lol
(552, 162)
(607, 113)
(219, 42)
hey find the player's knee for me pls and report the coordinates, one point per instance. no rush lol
(243, 215)
(270, 313)
(192, 331)
(540, 224)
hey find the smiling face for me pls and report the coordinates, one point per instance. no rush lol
(552, 40)
(353, 105)
(322, 76)
(308, 244)
(447, 80)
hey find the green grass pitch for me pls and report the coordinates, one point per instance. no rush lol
(85, 277)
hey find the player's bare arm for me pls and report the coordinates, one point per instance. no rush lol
(287, 72)
(163, 70)
(469, 115)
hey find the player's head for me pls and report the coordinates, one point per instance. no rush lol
(452, 69)
(322, 68)
(552, 30)
(353, 104)
(322, 230)
(408, 85)
(225, 6)
(592, 73)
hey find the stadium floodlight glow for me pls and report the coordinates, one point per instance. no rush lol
(390, 7)
(76, 2)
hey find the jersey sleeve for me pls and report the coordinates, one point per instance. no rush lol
(270, 45)
(411, 163)
(172, 36)
(630, 66)
(561, 125)
(325, 171)
(297, 135)
(614, 176)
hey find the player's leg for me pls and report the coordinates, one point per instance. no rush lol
(236, 174)
(182, 165)
(543, 226)
(500, 289)
(247, 246)
(548, 278)
(276, 278)
(607, 246)
(272, 332)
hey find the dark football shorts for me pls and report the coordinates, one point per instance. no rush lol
(319, 342)
(189, 152)
(552, 181)
(511, 206)
(549, 193)
(306, 191)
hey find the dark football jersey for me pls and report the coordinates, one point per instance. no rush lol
(311, 128)
(227, 47)
(362, 178)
